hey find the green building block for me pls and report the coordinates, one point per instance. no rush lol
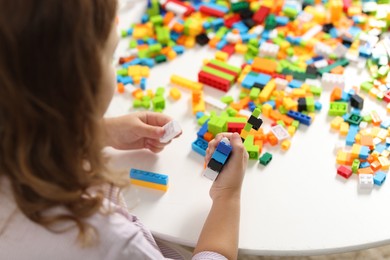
(366, 86)
(158, 102)
(338, 108)
(295, 123)
(256, 112)
(248, 127)
(160, 91)
(254, 93)
(227, 99)
(316, 91)
(238, 6)
(217, 125)
(253, 150)
(270, 22)
(231, 111)
(355, 165)
(122, 72)
(145, 103)
(265, 159)
(160, 58)
(354, 119)
(137, 103)
(310, 104)
(203, 120)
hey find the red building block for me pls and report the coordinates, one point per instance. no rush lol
(232, 20)
(261, 14)
(213, 81)
(235, 127)
(229, 49)
(344, 171)
(210, 11)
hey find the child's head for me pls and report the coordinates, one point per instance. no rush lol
(56, 81)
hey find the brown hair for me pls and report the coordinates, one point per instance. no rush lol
(50, 74)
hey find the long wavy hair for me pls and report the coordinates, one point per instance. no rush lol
(50, 117)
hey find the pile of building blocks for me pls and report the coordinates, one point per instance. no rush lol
(218, 159)
(149, 179)
(292, 50)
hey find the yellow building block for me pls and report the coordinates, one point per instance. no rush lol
(336, 122)
(186, 83)
(241, 48)
(385, 163)
(355, 151)
(344, 128)
(298, 93)
(291, 130)
(266, 110)
(265, 94)
(151, 185)
(222, 56)
(285, 145)
(175, 93)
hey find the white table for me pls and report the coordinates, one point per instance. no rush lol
(294, 206)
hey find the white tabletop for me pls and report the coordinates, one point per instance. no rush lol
(296, 205)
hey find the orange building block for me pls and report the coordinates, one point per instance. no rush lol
(336, 94)
(264, 65)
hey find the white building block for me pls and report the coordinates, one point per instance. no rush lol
(280, 132)
(215, 103)
(171, 129)
(268, 50)
(366, 181)
(330, 80)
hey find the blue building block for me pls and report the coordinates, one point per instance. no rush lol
(350, 139)
(364, 152)
(216, 7)
(364, 165)
(262, 79)
(199, 114)
(141, 175)
(221, 44)
(246, 37)
(282, 20)
(178, 49)
(295, 83)
(224, 148)
(272, 103)
(303, 119)
(317, 106)
(143, 83)
(219, 157)
(380, 147)
(200, 146)
(386, 123)
(126, 80)
(203, 129)
(379, 178)
(248, 81)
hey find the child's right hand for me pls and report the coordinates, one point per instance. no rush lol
(229, 181)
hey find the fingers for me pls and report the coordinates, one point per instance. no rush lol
(157, 119)
(154, 145)
(238, 149)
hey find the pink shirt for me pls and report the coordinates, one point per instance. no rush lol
(121, 236)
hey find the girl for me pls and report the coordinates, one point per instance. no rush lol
(57, 199)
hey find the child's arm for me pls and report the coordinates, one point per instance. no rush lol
(220, 231)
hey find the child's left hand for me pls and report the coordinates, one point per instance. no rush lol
(136, 131)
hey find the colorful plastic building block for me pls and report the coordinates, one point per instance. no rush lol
(218, 159)
(265, 159)
(171, 130)
(149, 179)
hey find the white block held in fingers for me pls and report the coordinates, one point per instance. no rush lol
(171, 129)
